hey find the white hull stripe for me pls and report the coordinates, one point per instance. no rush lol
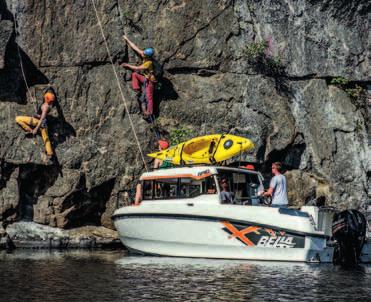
(211, 218)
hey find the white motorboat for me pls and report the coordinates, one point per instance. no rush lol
(182, 215)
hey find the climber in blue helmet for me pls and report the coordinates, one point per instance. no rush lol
(143, 75)
(149, 52)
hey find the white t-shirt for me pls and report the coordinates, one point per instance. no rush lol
(226, 197)
(278, 183)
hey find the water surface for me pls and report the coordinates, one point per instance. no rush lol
(115, 276)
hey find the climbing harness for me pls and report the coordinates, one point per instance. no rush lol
(119, 85)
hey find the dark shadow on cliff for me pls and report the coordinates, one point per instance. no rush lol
(166, 92)
(4, 12)
(163, 92)
(33, 181)
(290, 157)
(88, 206)
(59, 128)
(12, 83)
(6, 170)
(277, 73)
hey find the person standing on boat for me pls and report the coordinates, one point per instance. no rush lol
(277, 187)
(143, 76)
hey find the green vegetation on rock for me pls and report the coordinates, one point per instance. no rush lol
(261, 57)
(180, 135)
(354, 91)
(256, 51)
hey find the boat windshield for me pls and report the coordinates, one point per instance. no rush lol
(244, 187)
(177, 188)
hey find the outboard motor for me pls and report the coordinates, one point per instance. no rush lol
(349, 230)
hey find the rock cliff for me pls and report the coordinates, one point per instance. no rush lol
(290, 104)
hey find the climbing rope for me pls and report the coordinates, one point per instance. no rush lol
(119, 85)
(20, 59)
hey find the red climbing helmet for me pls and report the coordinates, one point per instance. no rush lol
(163, 144)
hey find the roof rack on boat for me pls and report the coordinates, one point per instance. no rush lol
(236, 164)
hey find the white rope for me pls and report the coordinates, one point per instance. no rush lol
(20, 61)
(119, 85)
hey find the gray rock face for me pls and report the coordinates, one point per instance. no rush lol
(33, 235)
(321, 38)
(9, 194)
(6, 29)
(309, 188)
(210, 86)
(335, 130)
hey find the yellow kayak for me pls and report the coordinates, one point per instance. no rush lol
(206, 149)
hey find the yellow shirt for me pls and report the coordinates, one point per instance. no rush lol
(148, 71)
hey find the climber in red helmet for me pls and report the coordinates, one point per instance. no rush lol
(158, 163)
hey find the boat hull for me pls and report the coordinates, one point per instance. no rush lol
(217, 238)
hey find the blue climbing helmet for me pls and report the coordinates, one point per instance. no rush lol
(149, 52)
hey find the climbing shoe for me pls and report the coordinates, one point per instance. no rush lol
(147, 118)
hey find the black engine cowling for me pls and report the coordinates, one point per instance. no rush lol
(349, 230)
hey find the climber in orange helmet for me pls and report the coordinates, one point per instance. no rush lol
(32, 124)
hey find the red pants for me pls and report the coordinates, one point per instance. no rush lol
(137, 81)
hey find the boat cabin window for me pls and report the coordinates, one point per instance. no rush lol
(177, 188)
(243, 186)
(190, 188)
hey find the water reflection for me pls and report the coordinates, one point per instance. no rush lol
(246, 280)
(114, 276)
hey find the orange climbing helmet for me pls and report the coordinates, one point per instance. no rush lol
(163, 144)
(49, 97)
